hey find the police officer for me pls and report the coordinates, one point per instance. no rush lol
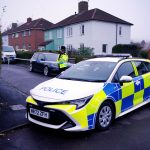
(63, 59)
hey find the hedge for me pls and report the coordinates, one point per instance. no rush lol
(134, 50)
(24, 55)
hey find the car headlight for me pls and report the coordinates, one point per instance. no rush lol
(79, 102)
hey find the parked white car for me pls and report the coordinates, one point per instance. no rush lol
(8, 53)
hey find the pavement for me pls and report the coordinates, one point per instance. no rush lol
(12, 109)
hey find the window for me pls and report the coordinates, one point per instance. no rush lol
(24, 33)
(59, 47)
(82, 45)
(28, 33)
(35, 56)
(120, 30)
(92, 71)
(141, 67)
(82, 30)
(41, 57)
(59, 33)
(16, 35)
(147, 64)
(104, 48)
(69, 31)
(69, 47)
(50, 35)
(13, 35)
(125, 69)
(29, 46)
(17, 47)
(23, 46)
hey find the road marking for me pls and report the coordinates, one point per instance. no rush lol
(17, 107)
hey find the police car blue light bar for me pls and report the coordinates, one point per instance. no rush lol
(114, 55)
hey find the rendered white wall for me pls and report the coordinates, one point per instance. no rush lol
(96, 34)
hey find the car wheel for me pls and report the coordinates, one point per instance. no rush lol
(105, 116)
(30, 68)
(46, 71)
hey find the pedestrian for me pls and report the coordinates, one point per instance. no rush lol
(63, 59)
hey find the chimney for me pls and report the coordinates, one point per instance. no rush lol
(29, 20)
(82, 6)
(14, 25)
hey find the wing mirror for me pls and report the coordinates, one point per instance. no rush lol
(42, 59)
(125, 79)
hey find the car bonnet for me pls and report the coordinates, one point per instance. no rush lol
(59, 90)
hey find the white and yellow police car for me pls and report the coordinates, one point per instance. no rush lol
(91, 94)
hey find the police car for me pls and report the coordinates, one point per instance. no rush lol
(91, 94)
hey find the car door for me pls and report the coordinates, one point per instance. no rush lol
(126, 89)
(40, 62)
(143, 91)
(33, 60)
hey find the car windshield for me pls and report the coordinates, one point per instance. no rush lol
(7, 49)
(91, 71)
(51, 57)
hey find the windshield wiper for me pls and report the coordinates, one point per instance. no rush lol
(86, 80)
(65, 78)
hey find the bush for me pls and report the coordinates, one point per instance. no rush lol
(134, 50)
(81, 53)
(144, 54)
(25, 55)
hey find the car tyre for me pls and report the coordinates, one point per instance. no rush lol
(105, 116)
(46, 71)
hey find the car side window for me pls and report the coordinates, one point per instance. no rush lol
(141, 67)
(147, 64)
(34, 57)
(126, 69)
(41, 57)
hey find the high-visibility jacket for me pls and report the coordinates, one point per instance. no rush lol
(62, 60)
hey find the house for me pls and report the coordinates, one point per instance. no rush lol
(28, 35)
(89, 28)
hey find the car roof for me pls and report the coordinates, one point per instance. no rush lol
(45, 53)
(107, 59)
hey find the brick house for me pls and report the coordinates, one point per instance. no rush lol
(29, 35)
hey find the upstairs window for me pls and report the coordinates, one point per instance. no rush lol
(69, 31)
(50, 35)
(120, 31)
(24, 33)
(13, 35)
(16, 35)
(59, 33)
(82, 32)
(28, 33)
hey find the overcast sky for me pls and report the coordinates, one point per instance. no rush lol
(134, 11)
